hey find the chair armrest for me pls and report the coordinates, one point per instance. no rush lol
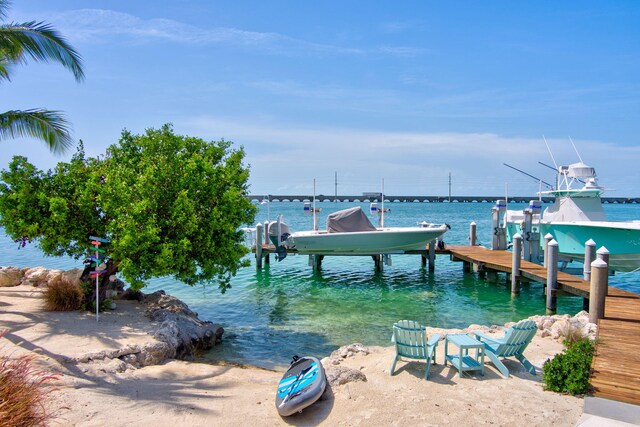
(433, 340)
(481, 336)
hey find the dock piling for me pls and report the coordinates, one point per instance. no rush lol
(266, 240)
(259, 237)
(589, 257)
(552, 277)
(472, 233)
(499, 238)
(603, 254)
(432, 255)
(526, 251)
(547, 238)
(598, 290)
(515, 264)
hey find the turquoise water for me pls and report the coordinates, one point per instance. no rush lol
(286, 308)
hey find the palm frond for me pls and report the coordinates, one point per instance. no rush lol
(4, 5)
(4, 69)
(48, 126)
(41, 42)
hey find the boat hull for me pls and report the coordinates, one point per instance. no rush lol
(621, 240)
(381, 241)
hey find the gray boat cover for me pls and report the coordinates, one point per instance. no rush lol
(348, 221)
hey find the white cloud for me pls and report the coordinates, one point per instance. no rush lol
(96, 25)
(285, 159)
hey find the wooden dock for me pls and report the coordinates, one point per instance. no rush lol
(616, 366)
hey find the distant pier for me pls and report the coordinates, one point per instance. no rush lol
(418, 199)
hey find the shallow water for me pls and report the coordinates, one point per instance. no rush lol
(286, 308)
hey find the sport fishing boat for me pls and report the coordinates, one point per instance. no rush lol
(577, 215)
(349, 232)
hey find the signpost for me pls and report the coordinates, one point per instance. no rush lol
(100, 268)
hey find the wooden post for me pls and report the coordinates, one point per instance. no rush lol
(526, 252)
(315, 261)
(603, 254)
(598, 289)
(515, 264)
(547, 238)
(552, 277)
(266, 240)
(259, 237)
(498, 240)
(472, 234)
(589, 257)
(377, 262)
(432, 255)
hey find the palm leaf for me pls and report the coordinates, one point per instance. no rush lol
(4, 5)
(48, 126)
(39, 41)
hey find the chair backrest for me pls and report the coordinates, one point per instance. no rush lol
(517, 338)
(411, 339)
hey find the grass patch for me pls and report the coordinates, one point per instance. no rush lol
(63, 295)
(23, 391)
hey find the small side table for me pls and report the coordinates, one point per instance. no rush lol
(462, 361)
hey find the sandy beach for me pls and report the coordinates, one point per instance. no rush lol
(93, 392)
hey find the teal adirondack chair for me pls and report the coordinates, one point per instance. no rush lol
(411, 342)
(512, 344)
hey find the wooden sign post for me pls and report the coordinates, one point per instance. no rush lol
(96, 242)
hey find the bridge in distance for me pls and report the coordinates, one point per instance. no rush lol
(417, 199)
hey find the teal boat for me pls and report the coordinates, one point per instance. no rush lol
(576, 216)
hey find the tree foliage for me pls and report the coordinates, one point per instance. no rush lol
(171, 205)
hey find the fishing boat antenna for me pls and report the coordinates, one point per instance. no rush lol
(315, 214)
(529, 175)
(550, 153)
(548, 166)
(506, 193)
(576, 150)
(382, 206)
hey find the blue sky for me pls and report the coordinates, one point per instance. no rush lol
(406, 91)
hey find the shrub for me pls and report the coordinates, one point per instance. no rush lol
(572, 334)
(23, 392)
(63, 295)
(568, 372)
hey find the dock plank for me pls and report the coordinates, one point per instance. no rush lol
(615, 369)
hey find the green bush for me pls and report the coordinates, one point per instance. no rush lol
(63, 295)
(568, 372)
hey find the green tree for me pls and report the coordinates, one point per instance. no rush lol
(171, 205)
(40, 42)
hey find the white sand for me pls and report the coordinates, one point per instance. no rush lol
(194, 394)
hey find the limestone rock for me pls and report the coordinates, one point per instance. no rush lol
(10, 276)
(346, 351)
(154, 353)
(37, 276)
(339, 375)
(180, 327)
(73, 275)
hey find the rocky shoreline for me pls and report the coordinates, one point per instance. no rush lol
(178, 333)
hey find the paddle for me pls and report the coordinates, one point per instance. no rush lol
(295, 382)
